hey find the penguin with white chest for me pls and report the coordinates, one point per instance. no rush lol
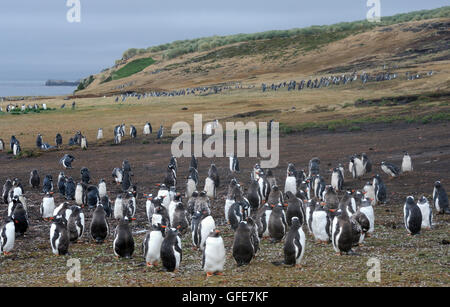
(76, 223)
(118, 207)
(440, 199)
(342, 233)
(412, 216)
(291, 179)
(320, 223)
(47, 206)
(7, 236)
(202, 229)
(337, 179)
(277, 224)
(427, 212)
(406, 163)
(390, 169)
(294, 247)
(152, 245)
(102, 188)
(59, 236)
(123, 244)
(213, 259)
(171, 252)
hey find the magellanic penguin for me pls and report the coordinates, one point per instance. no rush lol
(407, 163)
(7, 236)
(294, 247)
(35, 180)
(342, 232)
(47, 206)
(412, 216)
(99, 225)
(59, 237)
(243, 248)
(427, 213)
(390, 169)
(123, 244)
(320, 223)
(294, 208)
(291, 180)
(213, 259)
(277, 224)
(75, 225)
(440, 199)
(152, 245)
(171, 252)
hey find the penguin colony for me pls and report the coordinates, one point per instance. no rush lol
(306, 205)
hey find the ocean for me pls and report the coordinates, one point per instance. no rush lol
(32, 88)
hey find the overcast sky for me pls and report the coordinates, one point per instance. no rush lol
(37, 42)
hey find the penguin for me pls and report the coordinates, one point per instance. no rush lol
(357, 232)
(149, 207)
(85, 175)
(70, 189)
(20, 217)
(133, 132)
(264, 187)
(171, 252)
(294, 208)
(192, 181)
(367, 164)
(117, 174)
(75, 224)
(147, 129)
(214, 256)
(117, 139)
(163, 193)
(369, 192)
(330, 197)
(364, 225)
(152, 245)
(106, 203)
(310, 207)
(191, 203)
(16, 149)
(237, 213)
(171, 178)
(99, 227)
(294, 247)
(254, 195)
(126, 180)
(102, 188)
(440, 199)
(160, 133)
(13, 141)
(320, 223)
(7, 236)
(314, 167)
(39, 141)
(206, 225)
(379, 189)
(47, 206)
(243, 249)
(2, 144)
(80, 194)
(277, 224)
(6, 189)
(64, 210)
(62, 184)
(357, 167)
(230, 198)
(171, 208)
(275, 196)
(234, 164)
(100, 134)
(161, 217)
(319, 186)
(92, 197)
(66, 161)
(406, 163)
(118, 208)
(58, 140)
(123, 244)
(342, 232)
(47, 186)
(390, 169)
(35, 180)
(84, 143)
(412, 216)
(291, 180)
(59, 236)
(337, 180)
(202, 203)
(427, 213)
(254, 234)
(271, 178)
(366, 208)
(180, 221)
(213, 173)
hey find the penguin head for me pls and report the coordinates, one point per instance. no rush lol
(410, 200)
(437, 184)
(295, 222)
(423, 200)
(215, 233)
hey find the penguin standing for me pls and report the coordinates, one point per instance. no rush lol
(160, 133)
(106, 203)
(171, 176)
(39, 141)
(47, 206)
(369, 193)
(412, 216)
(75, 224)
(7, 236)
(243, 249)
(59, 236)
(440, 199)
(171, 252)
(152, 245)
(291, 179)
(20, 217)
(92, 197)
(294, 209)
(330, 197)
(85, 175)
(337, 180)
(342, 232)
(102, 188)
(118, 208)
(213, 259)
(35, 180)
(79, 194)
(99, 134)
(366, 163)
(277, 224)
(147, 129)
(205, 226)
(294, 247)
(192, 181)
(254, 196)
(230, 198)
(427, 212)
(133, 132)
(407, 163)
(123, 244)
(314, 167)
(117, 174)
(99, 225)
(58, 140)
(320, 223)
(234, 164)
(366, 208)
(379, 189)
(63, 210)
(70, 189)
(6, 189)
(48, 184)
(357, 167)
(84, 143)
(310, 207)
(180, 221)
(62, 184)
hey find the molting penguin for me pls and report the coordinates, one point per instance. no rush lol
(47, 206)
(230, 198)
(243, 249)
(102, 188)
(192, 181)
(6, 189)
(99, 225)
(20, 217)
(294, 209)
(66, 161)
(254, 196)
(210, 182)
(314, 167)
(294, 247)
(48, 184)
(35, 180)
(342, 232)
(123, 244)
(75, 225)
(320, 223)
(412, 216)
(390, 169)
(427, 212)
(440, 199)
(59, 237)
(58, 140)
(407, 163)
(180, 221)
(275, 196)
(62, 184)
(356, 167)
(337, 180)
(331, 198)
(92, 197)
(171, 252)
(171, 176)
(7, 236)
(85, 175)
(152, 245)
(70, 189)
(100, 134)
(213, 259)
(277, 224)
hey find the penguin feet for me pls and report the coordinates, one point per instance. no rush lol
(6, 253)
(149, 264)
(219, 273)
(209, 274)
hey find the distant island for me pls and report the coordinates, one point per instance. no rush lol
(61, 83)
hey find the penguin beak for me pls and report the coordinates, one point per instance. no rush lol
(332, 210)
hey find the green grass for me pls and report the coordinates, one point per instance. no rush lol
(131, 68)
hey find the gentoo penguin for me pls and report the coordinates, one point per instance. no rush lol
(149, 207)
(16, 148)
(294, 208)
(342, 232)
(117, 174)
(35, 180)
(412, 216)
(314, 167)
(147, 129)
(264, 187)
(294, 247)
(39, 141)
(320, 223)
(164, 193)
(366, 162)
(171, 252)
(6, 189)
(180, 221)
(62, 184)
(119, 208)
(99, 225)
(192, 181)
(319, 186)
(106, 205)
(160, 216)
(234, 164)
(152, 245)
(213, 173)
(440, 199)
(171, 178)
(202, 203)
(173, 161)
(20, 217)
(59, 236)
(337, 180)
(204, 227)
(230, 198)
(47, 206)
(427, 212)
(243, 249)
(67, 160)
(48, 184)
(79, 194)
(117, 138)
(126, 180)
(64, 210)
(171, 208)
(357, 167)
(390, 169)
(102, 188)
(160, 133)
(310, 207)
(75, 225)
(357, 232)
(275, 196)
(2, 145)
(133, 132)
(100, 134)
(213, 259)
(330, 197)
(85, 175)
(366, 208)
(58, 140)
(92, 197)
(291, 180)
(369, 193)
(277, 224)
(407, 163)
(379, 189)
(7, 236)
(84, 143)
(262, 220)
(254, 196)
(238, 211)
(123, 244)
(364, 224)
(70, 189)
